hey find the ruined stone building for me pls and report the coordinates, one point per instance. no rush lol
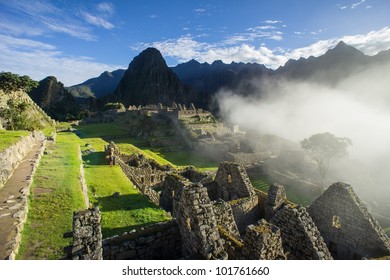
(226, 218)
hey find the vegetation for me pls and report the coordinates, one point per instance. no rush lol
(17, 116)
(324, 147)
(120, 213)
(110, 106)
(8, 138)
(101, 130)
(56, 194)
(10, 82)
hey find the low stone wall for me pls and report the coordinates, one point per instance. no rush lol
(300, 236)
(21, 215)
(11, 157)
(233, 246)
(87, 235)
(245, 158)
(159, 241)
(245, 211)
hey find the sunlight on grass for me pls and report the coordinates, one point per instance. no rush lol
(56, 194)
(8, 138)
(121, 213)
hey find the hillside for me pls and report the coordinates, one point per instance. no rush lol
(98, 87)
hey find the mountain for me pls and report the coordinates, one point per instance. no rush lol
(210, 78)
(98, 87)
(54, 99)
(148, 80)
(335, 65)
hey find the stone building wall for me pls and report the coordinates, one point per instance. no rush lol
(245, 211)
(300, 236)
(225, 218)
(170, 186)
(12, 156)
(233, 182)
(87, 235)
(275, 200)
(263, 242)
(347, 227)
(195, 216)
(159, 241)
(233, 246)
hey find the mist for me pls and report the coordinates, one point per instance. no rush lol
(358, 107)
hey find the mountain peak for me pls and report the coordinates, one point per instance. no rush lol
(149, 80)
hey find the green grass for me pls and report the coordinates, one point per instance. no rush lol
(56, 193)
(261, 183)
(100, 130)
(180, 158)
(120, 213)
(8, 138)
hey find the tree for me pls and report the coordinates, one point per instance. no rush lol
(324, 147)
(10, 82)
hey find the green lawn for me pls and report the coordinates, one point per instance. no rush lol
(8, 138)
(261, 183)
(101, 130)
(120, 213)
(56, 193)
(180, 158)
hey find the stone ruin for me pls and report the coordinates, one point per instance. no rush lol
(226, 218)
(346, 226)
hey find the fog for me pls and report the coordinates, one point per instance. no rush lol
(357, 107)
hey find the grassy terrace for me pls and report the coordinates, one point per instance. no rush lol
(56, 193)
(120, 213)
(8, 138)
(261, 183)
(180, 158)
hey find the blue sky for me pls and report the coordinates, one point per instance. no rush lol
(77, 40)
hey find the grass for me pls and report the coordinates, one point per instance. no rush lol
(180, 158)
(8, 138)
(261, 183)
(120, 213)
(56, 193)
(101, 130)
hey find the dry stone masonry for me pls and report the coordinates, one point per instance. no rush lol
(225, 218)
(87, 235)
(348, 229)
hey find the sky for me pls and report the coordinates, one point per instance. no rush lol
(78, 40)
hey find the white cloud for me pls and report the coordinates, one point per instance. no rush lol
(200, 11)
(106, 7)
(41, 17)
(355, 5)
(237, 49)
(38, 60)
(272, 21)
(98, 21)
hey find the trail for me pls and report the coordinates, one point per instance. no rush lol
(13, 202)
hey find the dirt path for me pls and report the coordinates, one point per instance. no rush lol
(13, 202)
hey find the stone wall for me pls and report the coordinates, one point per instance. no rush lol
(22, 203)
(300, 236)
(87, 235)
(233, 246)
(12, 156)
(159, 241)
(263, 242)
(171, 185)
(275, 200)
(233, 182)
(245, 158)
(344, 222)
(245, 211)
(195, 216)
(225, 218)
